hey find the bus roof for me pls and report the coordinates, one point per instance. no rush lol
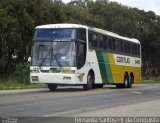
(61, 26)
(89, 28)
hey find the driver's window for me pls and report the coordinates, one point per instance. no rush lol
(80, 54)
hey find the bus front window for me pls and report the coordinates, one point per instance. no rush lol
(61, 54)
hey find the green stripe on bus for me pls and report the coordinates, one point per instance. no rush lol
(104, 66)
(101, 66)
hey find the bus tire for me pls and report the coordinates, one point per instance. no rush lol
(52, 87)
(127, 82)
(131, 81)
(90, 82)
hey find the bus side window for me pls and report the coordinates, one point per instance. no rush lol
(81, 34)
(93, 40)
(137, 50)
(90, 34)
(133, 49)
(81, 55)
(111, 44)
(119, 46)
(126, 47)
(101, 41)
(105, 42)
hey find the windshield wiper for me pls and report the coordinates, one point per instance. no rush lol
(52, 54)
(59, 64)
(44, 58)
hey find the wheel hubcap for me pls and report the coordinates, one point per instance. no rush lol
(89, 81)
(126, 82)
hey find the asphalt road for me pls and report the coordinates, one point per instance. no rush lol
(67, 101)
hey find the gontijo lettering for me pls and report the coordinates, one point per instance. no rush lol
(123, 59)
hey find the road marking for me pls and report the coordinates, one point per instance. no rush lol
(137, 92)
(60, 113)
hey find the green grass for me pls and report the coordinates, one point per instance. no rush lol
(12, 84)
(150, 82)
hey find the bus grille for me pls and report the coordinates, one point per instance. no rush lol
(50, 71)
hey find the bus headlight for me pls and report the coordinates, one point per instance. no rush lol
(68, 71)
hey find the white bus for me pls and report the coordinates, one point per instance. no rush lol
(72, 54)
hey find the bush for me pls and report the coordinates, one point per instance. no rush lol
(22, 73)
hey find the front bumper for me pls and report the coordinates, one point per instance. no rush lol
(55, 78)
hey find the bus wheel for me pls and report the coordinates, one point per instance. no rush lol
(127, 82)
(52, 87)
(90, 82)
(131, 80)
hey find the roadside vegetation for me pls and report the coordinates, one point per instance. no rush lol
(20, 17)
(13, 84)
(20, 79)
(150, 80)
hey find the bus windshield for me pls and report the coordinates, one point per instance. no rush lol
(61, 54)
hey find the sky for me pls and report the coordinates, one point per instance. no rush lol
(146, 5)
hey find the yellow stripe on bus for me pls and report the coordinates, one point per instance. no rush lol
(118, 71)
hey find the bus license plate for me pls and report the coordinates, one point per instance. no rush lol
(35, 78)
